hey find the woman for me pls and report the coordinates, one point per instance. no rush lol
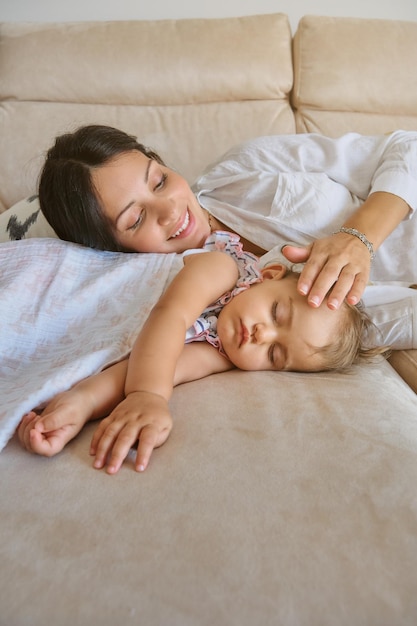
(342, 200)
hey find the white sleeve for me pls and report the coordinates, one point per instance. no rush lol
(362, 164)
(393, 310)
(396, 171)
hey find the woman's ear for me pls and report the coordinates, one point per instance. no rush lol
(276, 271)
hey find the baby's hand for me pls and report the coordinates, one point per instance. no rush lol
(47, 433)
(141, 415)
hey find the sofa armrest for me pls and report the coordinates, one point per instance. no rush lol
(405, 363)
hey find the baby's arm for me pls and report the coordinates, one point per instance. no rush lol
(204, 278)
(48, 432)
(200, 359)
(65, 415)
(145, 414)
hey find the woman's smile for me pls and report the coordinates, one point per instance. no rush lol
(185, 227)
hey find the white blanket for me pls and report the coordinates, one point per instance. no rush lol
(66, 312)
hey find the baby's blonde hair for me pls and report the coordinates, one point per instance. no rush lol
(350, 344)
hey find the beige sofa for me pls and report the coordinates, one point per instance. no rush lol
(280, 498)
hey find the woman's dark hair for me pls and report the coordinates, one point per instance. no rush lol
(67, 195)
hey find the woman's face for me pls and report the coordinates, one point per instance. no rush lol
(151, 208)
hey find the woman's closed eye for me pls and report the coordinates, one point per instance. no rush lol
(137, 222)
(160, 184)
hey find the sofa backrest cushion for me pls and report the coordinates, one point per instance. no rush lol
(187, 88)
(354, 74)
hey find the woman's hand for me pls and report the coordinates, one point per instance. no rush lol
(141, 415)
(339, 265)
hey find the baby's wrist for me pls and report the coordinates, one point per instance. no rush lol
(149, 392)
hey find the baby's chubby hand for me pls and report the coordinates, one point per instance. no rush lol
(48, 431)
(141, 415)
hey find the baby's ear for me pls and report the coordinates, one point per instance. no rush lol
(275, 271)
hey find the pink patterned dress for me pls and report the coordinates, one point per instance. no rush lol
(205, 327)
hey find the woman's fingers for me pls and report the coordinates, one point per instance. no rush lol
(337, 266)
(349, 288)
(294, 254)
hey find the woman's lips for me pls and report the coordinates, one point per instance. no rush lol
(184, 228)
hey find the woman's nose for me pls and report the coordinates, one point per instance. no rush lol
(166, 212)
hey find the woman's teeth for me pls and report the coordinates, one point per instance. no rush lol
(184, 225)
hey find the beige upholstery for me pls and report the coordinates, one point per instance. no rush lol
(280, 499)
(354, 74)
(168, 82)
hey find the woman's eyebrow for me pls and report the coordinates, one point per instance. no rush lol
(145, 178)
(148, 167)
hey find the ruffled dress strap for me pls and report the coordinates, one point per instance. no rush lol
(205, 327)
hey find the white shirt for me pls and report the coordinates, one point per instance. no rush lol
(297, 188)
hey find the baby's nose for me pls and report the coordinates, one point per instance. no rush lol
(264, 333)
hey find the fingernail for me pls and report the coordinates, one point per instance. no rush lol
(333, 304)
(303, 289)
(314, 300)
(140, 468)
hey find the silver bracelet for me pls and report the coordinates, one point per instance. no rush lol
(359, 235)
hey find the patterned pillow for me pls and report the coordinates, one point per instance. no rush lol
(24, 220)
